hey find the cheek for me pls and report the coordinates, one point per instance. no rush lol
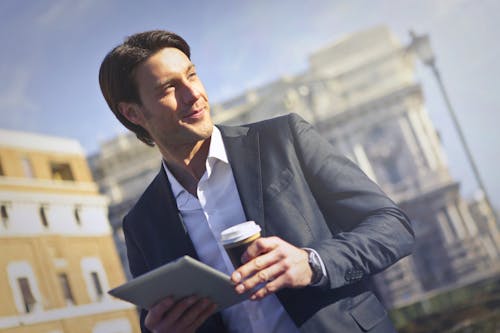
(168, 104)
(164, 107)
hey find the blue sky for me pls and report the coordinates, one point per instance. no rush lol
(52, 49)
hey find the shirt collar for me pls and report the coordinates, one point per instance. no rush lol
(216, 151)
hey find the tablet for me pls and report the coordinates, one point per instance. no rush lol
(180, 278)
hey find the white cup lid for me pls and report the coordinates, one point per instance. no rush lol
(239, 232)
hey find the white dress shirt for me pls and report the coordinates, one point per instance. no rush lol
(218, 207)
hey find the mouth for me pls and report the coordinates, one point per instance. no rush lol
(194, 114)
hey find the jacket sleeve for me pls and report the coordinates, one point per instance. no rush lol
(137, 265)
(369, 231)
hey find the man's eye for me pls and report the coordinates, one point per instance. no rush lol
(192, 75)
(166, 90)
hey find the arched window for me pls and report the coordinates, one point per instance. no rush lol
(95, 278)
(24, 287)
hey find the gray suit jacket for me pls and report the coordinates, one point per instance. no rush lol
(296, 187)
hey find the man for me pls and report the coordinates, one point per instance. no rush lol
(326, 227)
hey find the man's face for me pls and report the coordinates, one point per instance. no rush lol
(175, 109)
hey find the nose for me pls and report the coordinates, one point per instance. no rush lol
(190, 93)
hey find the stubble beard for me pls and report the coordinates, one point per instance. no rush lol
(188, 136)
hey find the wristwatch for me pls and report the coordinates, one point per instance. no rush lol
(315, 264)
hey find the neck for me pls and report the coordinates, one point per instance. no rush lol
(187, 163)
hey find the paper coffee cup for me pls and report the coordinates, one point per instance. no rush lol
(237, 238)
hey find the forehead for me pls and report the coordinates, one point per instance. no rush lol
(167, 62)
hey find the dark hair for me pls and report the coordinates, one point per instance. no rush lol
(117, 72)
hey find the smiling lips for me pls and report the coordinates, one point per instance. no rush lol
(195, 114)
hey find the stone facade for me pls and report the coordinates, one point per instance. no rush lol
(362, 95)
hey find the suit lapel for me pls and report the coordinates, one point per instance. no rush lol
(242, 148)
(169, 233)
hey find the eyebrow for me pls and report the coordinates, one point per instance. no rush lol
(165, 82)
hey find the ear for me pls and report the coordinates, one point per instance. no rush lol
(131, 112)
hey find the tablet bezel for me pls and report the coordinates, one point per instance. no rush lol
(180, 278)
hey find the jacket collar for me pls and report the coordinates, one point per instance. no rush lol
(242, 148)
(164, 220)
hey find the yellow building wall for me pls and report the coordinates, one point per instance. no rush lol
(40, 253)
(51, 254)
(83, 324)
(13, 250)
(11, 160)
(47, 327)
(86, 324)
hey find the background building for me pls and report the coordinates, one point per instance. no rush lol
(362, 94)
(57, 256)
(123, 168)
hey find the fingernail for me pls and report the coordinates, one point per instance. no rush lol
(240, 288)
(236, 277)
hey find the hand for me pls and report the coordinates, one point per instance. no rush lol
(276, 263)
(185, 315)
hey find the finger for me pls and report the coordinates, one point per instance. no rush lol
(254, 266)
(191, 315)
(292, 274)
(178, 309)
(260, 246)
(271, 287)
(173, 322)
(263, 275)
(203, 316)
(156, 313)
(278, 252)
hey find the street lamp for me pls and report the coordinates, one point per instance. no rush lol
(421, 46)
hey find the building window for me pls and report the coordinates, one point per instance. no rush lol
(97, 285)
(66, 288)
(1, 169)
(27, 168)
(28, 298)
(61, 171)
(76, 213)
(95, 278)
(4, 214)
(24, 287)
(43, 216)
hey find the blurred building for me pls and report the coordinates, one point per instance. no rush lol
(123, 167)
(57, 256)
(362, 95)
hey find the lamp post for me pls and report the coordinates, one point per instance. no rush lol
(421, 46)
